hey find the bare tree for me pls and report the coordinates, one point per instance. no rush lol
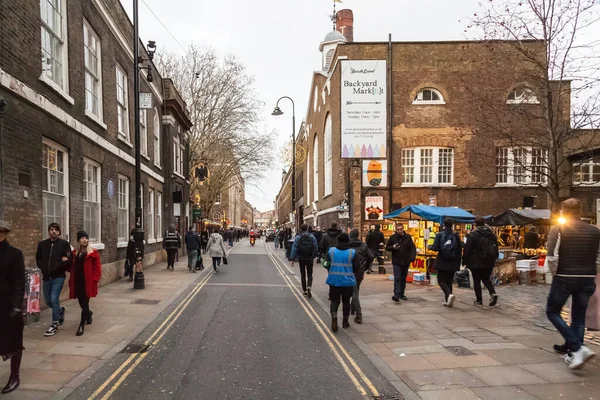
(536, 119)
(224, 108)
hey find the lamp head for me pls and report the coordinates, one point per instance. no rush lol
(277, 111)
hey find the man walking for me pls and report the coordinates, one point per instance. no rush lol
(404, 252)
(374, 239)
(481, 253)
(53, 257)
(171, 243)
(364, 256)
(330, 238)
(193, 244)
(305, 250)
(574, 276)
(449, 248)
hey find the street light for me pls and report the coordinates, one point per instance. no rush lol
(277, 112)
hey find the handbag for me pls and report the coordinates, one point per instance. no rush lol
(225, 260)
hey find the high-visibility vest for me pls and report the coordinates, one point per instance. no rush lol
(340, 270)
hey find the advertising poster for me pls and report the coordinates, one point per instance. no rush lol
(374, 208)
(375, 173)
(364, 108)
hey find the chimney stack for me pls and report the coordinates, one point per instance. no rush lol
(345, 24)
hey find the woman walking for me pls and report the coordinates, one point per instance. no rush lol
(216, 250)
(12, 289)
(130, 257)
(85, 275)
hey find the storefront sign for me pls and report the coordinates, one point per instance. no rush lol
(177, 209)
(433, 201)
(364, 109)
(413, 224)
(374, 208)
(145, 101)
(374, 173)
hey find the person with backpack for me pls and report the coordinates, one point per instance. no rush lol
(305, 249)
(365, 257)
(449, 248)
(404, 252)
(481, 253)
(330, 238)
(374, 239)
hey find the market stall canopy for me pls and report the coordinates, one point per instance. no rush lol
(515, 216)
(435, 214)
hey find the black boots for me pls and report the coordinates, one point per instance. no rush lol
(358, 319)
(80, 330)
(334, 322)
(345, 324)
(89, 318)
(15, 366)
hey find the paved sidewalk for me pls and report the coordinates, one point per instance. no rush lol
(431, 352)
(53, 366)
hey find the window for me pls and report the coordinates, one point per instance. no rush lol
(429, 96)
(91, 200)
(93, 68)
(181, 149)
(144, 132)
(54, 38)
(156, 139)
(122, 105)
(521, 166)
(586, 172)
(328, 157)
(123, 216)
(151, 214)
(218, 198)
(308, 180)
(158, 214)
(55, 187)
(522, 95)
(431, 166)
(316, 167)
(177, 162)
(142, 202)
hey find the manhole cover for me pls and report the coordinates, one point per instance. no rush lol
(148, 302)
(135, 348)
(386, 397)
(459, 351)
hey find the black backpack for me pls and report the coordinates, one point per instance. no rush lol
(487, 249)
(305, 246)
(448, 246)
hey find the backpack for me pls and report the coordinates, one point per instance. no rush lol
(305, 247)
(448, 247)
(487, 249)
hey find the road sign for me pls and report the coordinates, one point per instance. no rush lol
(197, 213)
(145, 101)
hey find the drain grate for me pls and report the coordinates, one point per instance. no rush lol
(386, 397)
(136, 348)
(147, 302)
(459, 351)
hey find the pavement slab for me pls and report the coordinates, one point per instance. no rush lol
(522, 356)
(408, 363)
(449, 360)
(558, 372)
(439, 379)
(502, 393)
(452, 394)
(563, 391)
(506, 375)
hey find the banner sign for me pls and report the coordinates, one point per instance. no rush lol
(375, 173)
(364, 108)
(374, 208)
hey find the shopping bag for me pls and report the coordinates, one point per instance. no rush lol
(225, 260)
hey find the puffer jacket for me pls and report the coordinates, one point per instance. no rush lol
(329, 239)
(471, 257)
(405, 252)
(363, 255)
(215, 246)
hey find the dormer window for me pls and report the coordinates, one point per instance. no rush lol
(429, 96)
(522, 95)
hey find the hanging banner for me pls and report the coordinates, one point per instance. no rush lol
(375, 173)
(364, 108)
(374, 208)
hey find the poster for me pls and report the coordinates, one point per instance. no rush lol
(364, 108)
(374, 208)
(374, 173)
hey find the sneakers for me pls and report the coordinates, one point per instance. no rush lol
(493, 300)
(192, 270)
(450, 302)
(478, 303)
(61, 318)
(308, 293)
(578, 358)
(305, 293)
(52, 330)
(403, 297)
(561, 348)
(395, 299)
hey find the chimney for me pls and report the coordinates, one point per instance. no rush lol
(345, 24)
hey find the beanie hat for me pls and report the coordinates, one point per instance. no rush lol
(448, 222)
(343, 238)
(354, 234)
(82, 234)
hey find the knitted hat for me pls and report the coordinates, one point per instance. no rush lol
(82, 234)
(354, 234)
(343, 238)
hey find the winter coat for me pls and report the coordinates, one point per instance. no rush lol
(471, 257)
(49, 258)
(192, 241)
(579, 248)
(12, 289)
(172, 240)
(364, 255)
(374, 238)
(295, 255)
(215, 246)
(406, 251)
(92, 270)
(329, 239)
(440, 263)
(343, 266)
(531, 240)
(130, 255)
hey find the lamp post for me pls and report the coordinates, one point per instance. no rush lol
(276, 112)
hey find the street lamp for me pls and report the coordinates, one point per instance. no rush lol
(277, 112)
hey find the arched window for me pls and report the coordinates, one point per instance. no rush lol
(429, 96)
(156, 129)
(316, 99)
(308, 177)
(522, 95)
(328, 157)
(316, 168)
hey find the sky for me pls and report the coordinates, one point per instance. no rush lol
(278, 41)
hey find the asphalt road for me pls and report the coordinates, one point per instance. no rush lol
(243, 335)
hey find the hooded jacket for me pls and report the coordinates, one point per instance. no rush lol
(374, 238)
(363, 255)
(329, 239)
(215, 245)
(49, 258)
(405, 252)
(471, 257)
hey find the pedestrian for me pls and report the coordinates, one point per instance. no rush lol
(532, 239)
(374, 241)
(342, 264)
(330, 238)
(86, 272)
(276, 239)
(204, 239)
(365, 256)
(449, 248)
(281, 237)
(216, 250)
(12, 290)
(574, 276)
(318, 234)
(130, 257)
(304, 250)
(481, 253)
(53, 257)
(193, 244)
(404, 252)
(172, 244)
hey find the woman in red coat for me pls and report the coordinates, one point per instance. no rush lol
(85, 275)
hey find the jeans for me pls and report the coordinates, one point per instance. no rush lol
(482, 275)
(276, 242)
(231, 242)
(581, 289)
(171, 253)
(216, 262)
(306, 266)
(355, 297)
(192, 258)
(400, 274)
(52, 289)
(337, 292)
(445, 279)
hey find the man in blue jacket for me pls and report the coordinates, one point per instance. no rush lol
(304, 250)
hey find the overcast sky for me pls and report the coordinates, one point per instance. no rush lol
(278, 41)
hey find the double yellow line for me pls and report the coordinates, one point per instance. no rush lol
(356, 375)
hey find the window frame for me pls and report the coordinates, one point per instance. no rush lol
(97, 116)
(308, 178)
(123, 107)
(417, 101)
(316, 168)
(144, 132)
(94, 232)
(66, 194)
(530, 99)
(527, 170)
(156, 133)
(61, 88)
(590, 164)
(416, 157)
(123, 240)
(159, 223)
(328, 156)
(151, 220)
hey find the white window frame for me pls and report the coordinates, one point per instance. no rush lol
(219, 198)
(522, 95)
(122, 107)
(328, 178)
(316, 168)
(414, 154)
(589, 164)
(308, 178)
(93, 227)
(144, 133)
(512, 166)
(159, 224)
(181, 161)
(156, 131)
(95, 76)
(151, 220)
(62, 86)
(48, 193)
(418, 100)
(123, 212)
(177, 162)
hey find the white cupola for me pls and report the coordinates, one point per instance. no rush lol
(328, 46)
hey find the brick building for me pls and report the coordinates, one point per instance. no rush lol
(283, 201)
(66, 135)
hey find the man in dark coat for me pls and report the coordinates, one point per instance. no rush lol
(171, 243)
(330, 238)
(12, 290)
(404, 252)
(365, 257)
(449, 248)
(374, 239)
(480, 242)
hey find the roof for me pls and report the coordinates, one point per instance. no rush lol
(516, 216)
(332, 37)
(436, 214)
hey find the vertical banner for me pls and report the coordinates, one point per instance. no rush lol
(375, 173)
(364, 108)
(374, 208)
